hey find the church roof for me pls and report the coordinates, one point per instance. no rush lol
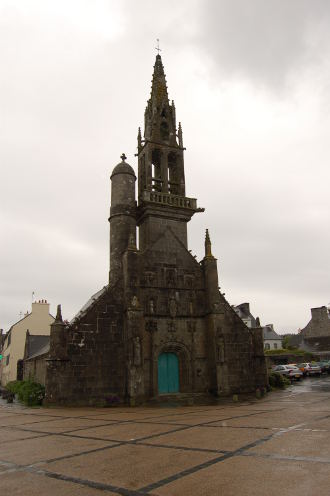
(89, 303)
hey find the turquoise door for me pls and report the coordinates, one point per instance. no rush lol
(168, 373)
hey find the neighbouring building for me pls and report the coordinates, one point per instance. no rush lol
(160, 326)
(315, 337)
(243, 311)
(37, 323)
(272, 340)
(35, 353)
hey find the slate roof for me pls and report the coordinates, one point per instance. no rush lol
(89, 303)
(37, 345)
(269, 333)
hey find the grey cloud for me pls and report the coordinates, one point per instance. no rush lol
(265, 41)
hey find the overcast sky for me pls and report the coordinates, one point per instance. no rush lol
(251, 84)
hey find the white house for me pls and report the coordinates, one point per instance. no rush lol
(37, 323)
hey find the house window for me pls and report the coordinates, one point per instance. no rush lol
(9, 340)
(267, 346)
(275, 346)
(7, 359)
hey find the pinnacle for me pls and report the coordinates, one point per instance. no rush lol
(58, 314)
(208, 246)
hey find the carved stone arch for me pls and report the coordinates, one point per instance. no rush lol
(184, 356)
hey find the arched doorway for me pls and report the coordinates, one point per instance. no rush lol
(168, 373)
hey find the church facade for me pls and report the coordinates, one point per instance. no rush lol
(161, 326)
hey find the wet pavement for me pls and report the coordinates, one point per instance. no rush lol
(279, 445)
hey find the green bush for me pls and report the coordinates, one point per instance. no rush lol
(277, 380)
(14, 386)
(28, 392)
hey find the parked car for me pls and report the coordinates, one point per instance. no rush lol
(309, 368)
(290, 371)
(324, 365)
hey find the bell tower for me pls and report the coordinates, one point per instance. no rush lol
(161, 181)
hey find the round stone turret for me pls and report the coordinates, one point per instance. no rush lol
(122, 215)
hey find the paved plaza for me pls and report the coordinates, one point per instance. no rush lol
(279, 445)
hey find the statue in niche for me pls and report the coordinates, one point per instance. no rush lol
(170, 277)
(220, 350)
(191, 326)
(173, 308)
(135, 301)
(136, 351)
(151, 306)
(191, 307)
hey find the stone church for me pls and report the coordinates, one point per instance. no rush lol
(160, 327)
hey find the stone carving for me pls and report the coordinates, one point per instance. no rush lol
(173, 308)
(135, 301)
(191, 326)
(137, 351)
(170, 277)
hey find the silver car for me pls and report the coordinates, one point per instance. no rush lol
(290, 371)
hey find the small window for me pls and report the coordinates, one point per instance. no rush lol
(9, 339)
(267, 346)
(7, 359)
(275, 346)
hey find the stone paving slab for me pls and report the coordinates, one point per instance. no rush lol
(265, 420)
(220, 439)
(191, 418)
(20, 420)
(252, 477)
(24, 484)
(11, 434)
(302, 442)
(126, 431)
(47, 447)
(55, 425)
(129, 466)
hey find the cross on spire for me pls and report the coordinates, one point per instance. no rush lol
(157, 47)
(123, 157)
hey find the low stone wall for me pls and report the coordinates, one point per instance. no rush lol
(35, 369)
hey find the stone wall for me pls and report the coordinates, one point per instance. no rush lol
(35, 369)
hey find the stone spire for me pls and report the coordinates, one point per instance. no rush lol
(208, 246)
(159, 88)
(159, 117)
